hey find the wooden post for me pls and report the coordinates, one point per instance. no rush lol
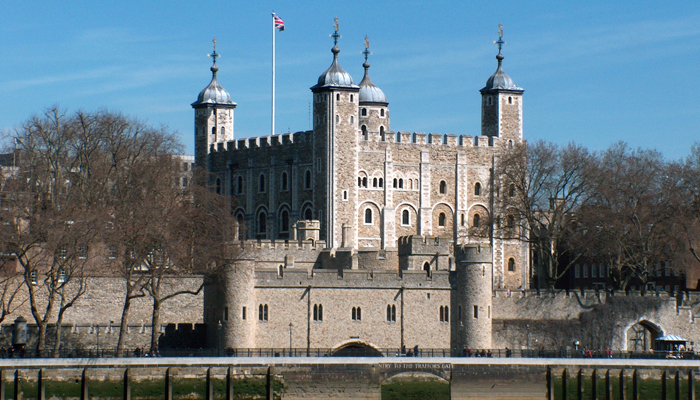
(84, 386)
(210, 387)
(622, 384)
(608, 386)
(678, 385)
(634, 385)
(127, 385)
(2, 384)
(229, 384)
(268, 385)
(564, 378)
(168, 385)
(550, 384)
(18, 389)
(594, 385)
(664, 394)
(579, 385)
(41, 385)
(691, 385)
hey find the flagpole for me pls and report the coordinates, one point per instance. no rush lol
(273, 74)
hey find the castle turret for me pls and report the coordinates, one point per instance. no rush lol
(502, 103)
(472, 297)
(374, 111)
(213, 122)
(335, 149)
(235, 308)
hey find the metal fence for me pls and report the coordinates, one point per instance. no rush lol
(350, 352)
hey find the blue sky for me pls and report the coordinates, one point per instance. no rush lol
(594, 72)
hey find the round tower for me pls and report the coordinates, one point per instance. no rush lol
(213, 111)
(473, 296)
(239, 312)
(374, 110)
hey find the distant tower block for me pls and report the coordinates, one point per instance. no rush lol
(473, 288)
(308, 230)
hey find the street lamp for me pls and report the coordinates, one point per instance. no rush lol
(290, 338)
(218, 347)
(528, 337)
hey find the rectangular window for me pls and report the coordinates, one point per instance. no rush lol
(225, 313)
(459, 311)
(476, 311)
(243, 313)
(594, 271)
(585, 270)
(577, 271)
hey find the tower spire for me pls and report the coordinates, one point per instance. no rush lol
(214, 55)
(366, 53)
(335, 35)
(499, 43)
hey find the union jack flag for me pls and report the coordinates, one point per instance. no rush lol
(279, 24)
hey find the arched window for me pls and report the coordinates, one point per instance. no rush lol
(352, 117)
(318, 312)
(396, 183)
(443, 187)
(410, 183)
(364, 112)
(368, 216)
(352, 98)
(284, 221)
(356, 314)
(382, 134)
(262, 222)
(441, 220)
(477, 189)
(359, 181)
(307, 179)
(374, 182)
(442, 313)
(308, 214)
(337, 119)
(261, 184)
(381, 112)
(364, 181)
(510, 100)
(381, 182)
(426, 266)
(218, 186)
(476, 220)
(337, 97)
(511, 265)
(365, 135)
(388, 313)
(285, 183)
(213, 131)
(400, 183)
(510, 144)
(239, 185)
(511, 221)
(223, 132)
(511, 190)
(241, 228)
(405, 217)
(461, 219)
(262, 312)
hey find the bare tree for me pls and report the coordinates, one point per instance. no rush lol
(633, 214)
(47, 228)
(543, 186)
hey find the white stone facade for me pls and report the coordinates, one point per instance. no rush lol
(389, 211)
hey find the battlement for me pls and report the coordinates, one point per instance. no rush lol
(473, 253)
(370, 279)
(267, 244)
(286, 139)
(424, 245)
(602, 295)
(447, 139)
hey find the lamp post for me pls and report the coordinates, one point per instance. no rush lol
(290, 338)
(98, 340)
(528, 338)
(218, 347)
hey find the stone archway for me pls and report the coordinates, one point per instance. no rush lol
(415, 385)
(356, 349)
(641, 336)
